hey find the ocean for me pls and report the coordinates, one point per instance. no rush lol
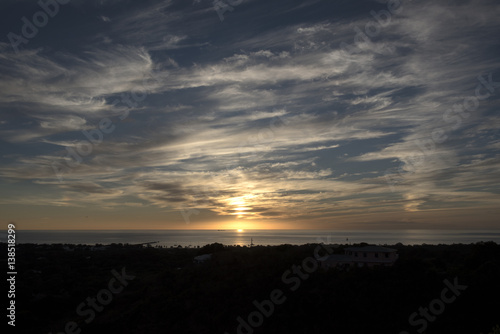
(194, 238)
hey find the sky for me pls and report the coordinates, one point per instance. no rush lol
(252, 114)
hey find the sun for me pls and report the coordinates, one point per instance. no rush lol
(240, 206)
(241, 230)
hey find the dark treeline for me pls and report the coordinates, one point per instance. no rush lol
(171, 294)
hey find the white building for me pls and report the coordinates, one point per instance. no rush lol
(202, 258)
(369, 256)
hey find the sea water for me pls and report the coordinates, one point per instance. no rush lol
(194, 238)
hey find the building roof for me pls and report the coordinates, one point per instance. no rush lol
(202, 258)
(378, 249)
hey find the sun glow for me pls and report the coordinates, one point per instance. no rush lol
(241, 230)
(240, 206)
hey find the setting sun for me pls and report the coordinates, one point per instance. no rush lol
(240, 230)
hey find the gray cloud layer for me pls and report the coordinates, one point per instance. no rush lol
(275, 122)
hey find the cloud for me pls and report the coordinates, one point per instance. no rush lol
(104, 18)
(276, 124)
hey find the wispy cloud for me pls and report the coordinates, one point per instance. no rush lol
(263, 117)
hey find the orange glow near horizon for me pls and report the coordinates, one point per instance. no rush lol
(247, 224)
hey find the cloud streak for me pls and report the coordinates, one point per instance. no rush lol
(263, 118)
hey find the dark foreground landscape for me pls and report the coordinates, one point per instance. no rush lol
(136, 289)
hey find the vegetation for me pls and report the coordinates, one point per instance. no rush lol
(495, 330)
(170, 293)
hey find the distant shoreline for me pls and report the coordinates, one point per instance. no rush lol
(195, 238)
